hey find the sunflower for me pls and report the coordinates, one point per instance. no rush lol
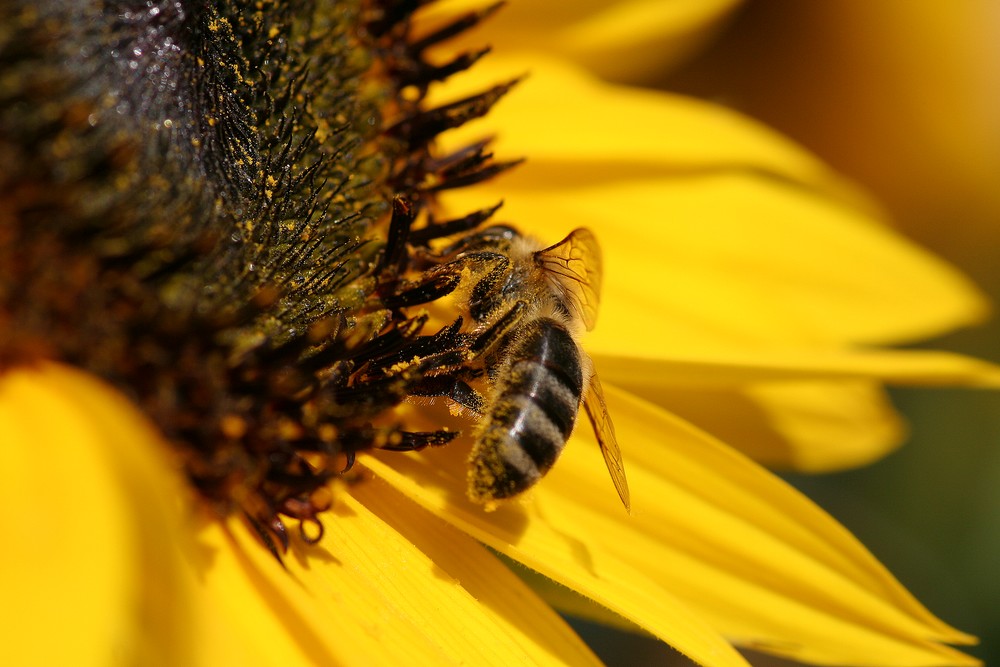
(218, 321)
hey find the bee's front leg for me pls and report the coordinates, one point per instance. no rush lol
(455, 388)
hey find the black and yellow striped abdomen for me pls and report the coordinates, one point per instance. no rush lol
(531, 412)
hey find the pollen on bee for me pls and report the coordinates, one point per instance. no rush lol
(311, 530)
(401, 366)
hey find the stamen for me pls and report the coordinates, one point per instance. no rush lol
(456, 27)
(422, 126)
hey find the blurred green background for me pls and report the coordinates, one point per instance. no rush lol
(903, 97)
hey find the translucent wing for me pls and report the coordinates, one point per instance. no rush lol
(575, 264)
(597, 410)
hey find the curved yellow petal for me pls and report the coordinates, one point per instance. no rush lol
(804, 426)
(387, 585)
(122, 577)
(809, 410)
(728, 261)
(916, 87)
(110, 557)
(729, 233)
(575, 130)
(558, 550)
(519, 619)
(257, 612)
(733, 369)
(248, 609)
(94, 563)
(626, 39)
(767, 565)
(754, 558)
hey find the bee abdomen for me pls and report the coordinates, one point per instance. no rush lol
(536, 402)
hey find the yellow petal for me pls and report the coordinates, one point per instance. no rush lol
(811, 411)
(574, 130)
(769, 566)
(94, 564)
(756, 560)
(110, 561)
(914, 84)
(513, 615)
(727, 261)
(803, 426)
(385, 587)
(729, 233)
(722, 369)
(557, 550)
(254, 612)
(628, 39)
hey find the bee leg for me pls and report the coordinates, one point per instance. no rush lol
(440, 280)
(311, 529)
(487, 295)
(409, 441)
(493, 336)
(267, 531)
(435, 286)
(454, 388)
(436, 230)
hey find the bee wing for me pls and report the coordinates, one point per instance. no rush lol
(575, 263)
(597, 411)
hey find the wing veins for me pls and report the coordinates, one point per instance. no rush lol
(604, 429)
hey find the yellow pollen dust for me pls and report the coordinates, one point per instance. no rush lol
(401, 366)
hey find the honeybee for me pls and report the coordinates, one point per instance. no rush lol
(530, 305)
